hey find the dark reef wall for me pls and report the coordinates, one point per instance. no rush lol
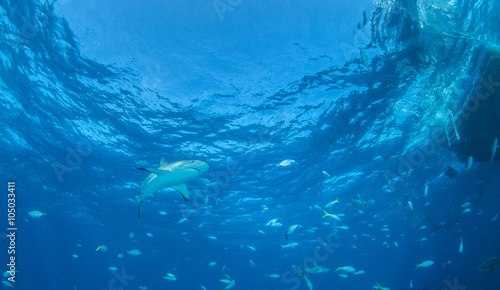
(478, 115)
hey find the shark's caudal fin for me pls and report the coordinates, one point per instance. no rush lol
(139, 201)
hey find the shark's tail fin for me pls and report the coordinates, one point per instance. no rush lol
(139, 211)
(303, 274)
(139, 201)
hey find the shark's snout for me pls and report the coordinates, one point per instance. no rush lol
(201, 166)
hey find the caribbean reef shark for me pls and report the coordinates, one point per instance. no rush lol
(173, 175)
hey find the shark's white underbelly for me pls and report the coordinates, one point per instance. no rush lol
(153, 183)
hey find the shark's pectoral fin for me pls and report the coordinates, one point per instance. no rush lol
(155, 171)
(182, 188)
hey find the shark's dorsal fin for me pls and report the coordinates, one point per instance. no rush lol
(162, 162)
(155, 170)
(182, 188)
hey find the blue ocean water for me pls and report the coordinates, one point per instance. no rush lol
(372, 101)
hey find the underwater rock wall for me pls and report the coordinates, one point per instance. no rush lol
(478, 115)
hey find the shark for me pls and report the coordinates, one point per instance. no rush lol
(315, 269)
(173, 175)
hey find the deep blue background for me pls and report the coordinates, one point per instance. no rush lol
(92, 90)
